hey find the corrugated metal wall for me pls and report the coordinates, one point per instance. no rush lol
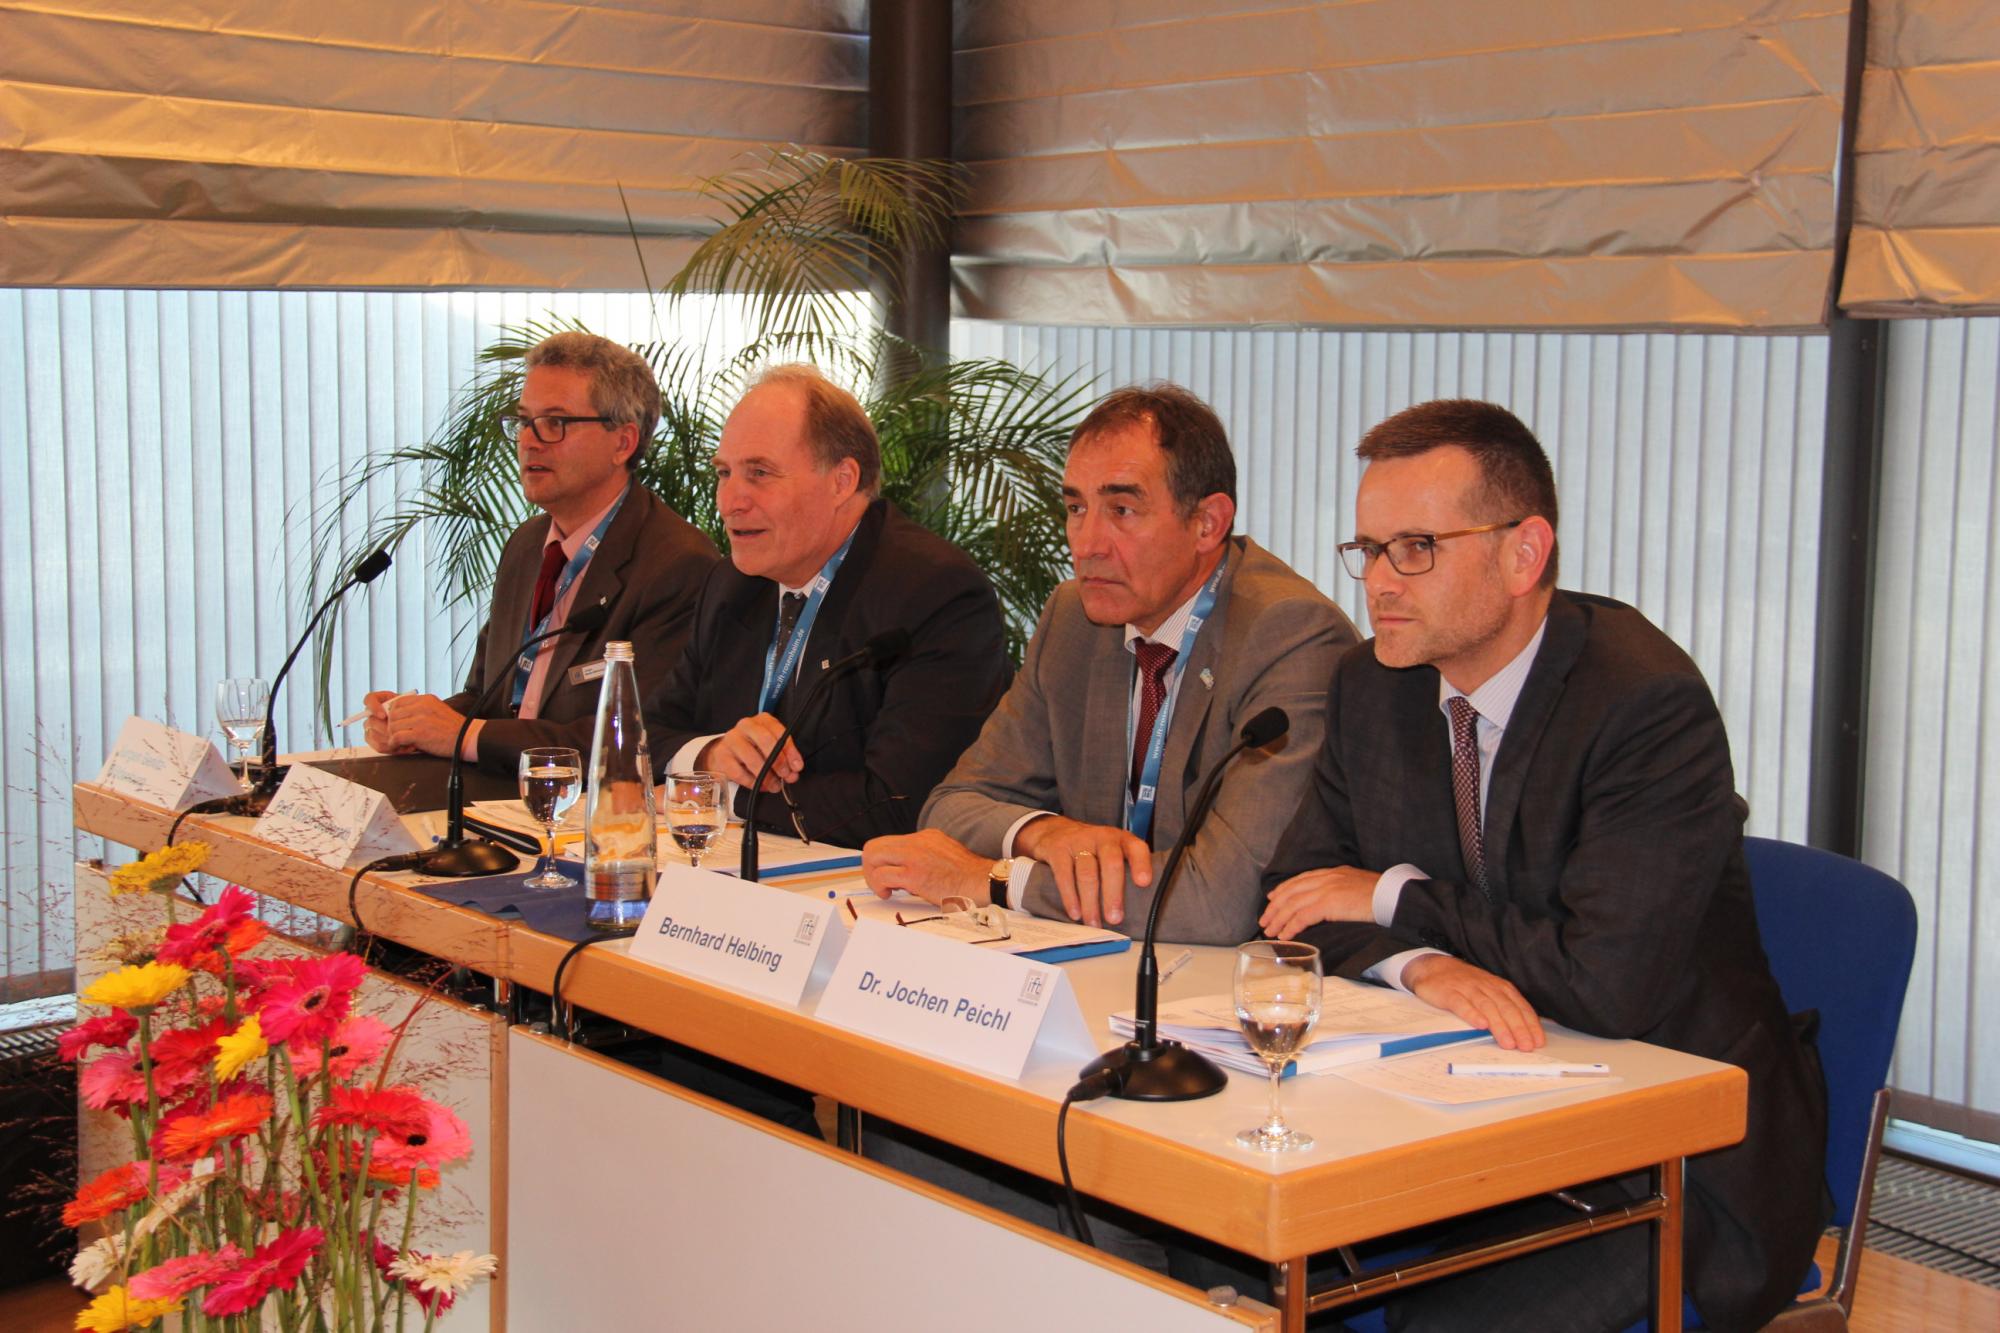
(1688, 469)
(1933, 739)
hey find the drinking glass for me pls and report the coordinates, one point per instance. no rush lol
(694, 812)
(240, 705)
(1277, 1003)
(551, 780)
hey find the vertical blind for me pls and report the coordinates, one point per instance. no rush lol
(1688, 469)
(1439, 163)
(442, 144)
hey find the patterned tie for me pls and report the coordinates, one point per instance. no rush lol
(1465, 788)
(553, 561)
(1155, 661)
(789, 607)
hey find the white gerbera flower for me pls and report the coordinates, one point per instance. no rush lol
(97, 1262)
(444, 1274)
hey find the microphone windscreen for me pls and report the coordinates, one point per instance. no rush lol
(887, 646)
(1266, 727)
(372, 568)
(585, 619)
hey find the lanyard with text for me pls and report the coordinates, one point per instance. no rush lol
(524, 665)
(1139, 814)
(778, 672)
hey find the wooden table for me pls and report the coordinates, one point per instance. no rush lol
(1383, 1164)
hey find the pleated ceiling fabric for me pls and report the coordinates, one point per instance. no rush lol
(1400, 163)
(439, 144)
(1926, 238)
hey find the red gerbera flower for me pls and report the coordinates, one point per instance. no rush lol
(183, 1139)
(177, 1277)
(309, 1003)
(384, 1110)
(196, 939)
(108, 1030)
(274, 1267)
(118, 1188)
(443, 1138)
(195, 1046)
(356, 1042)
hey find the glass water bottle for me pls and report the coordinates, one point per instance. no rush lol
(620, 851)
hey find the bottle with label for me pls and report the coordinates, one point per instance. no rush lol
(620, 848)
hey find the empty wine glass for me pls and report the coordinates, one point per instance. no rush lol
(694, 812)
(551, 780)
(1277, 1003)
(240, 705)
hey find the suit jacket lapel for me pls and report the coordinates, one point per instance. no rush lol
(1193, 703)
(514, 589)
(1107, 759)
(830, 639)
(1543, 688)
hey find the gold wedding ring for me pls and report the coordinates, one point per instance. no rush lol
(1085, 852)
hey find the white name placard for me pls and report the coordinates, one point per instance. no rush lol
(336, 822)
(957, 1002)
(161, 766)
(749, 937)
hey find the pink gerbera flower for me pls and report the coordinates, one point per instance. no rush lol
(107, 1030)
(177, 1277)
(274, 1267)
(227, 925)
(443, 1138)
(308, 1004)
(115, 1082)
(357, 1042)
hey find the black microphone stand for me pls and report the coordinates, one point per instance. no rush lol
(878, 652)
(457, 856)
(1146, 1069)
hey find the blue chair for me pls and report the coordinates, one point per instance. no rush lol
(1840, 936)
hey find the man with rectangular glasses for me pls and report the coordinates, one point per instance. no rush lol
(586, 413)
(1523, 808)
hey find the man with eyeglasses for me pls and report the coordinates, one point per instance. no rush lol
(1524, 808)
(586, 413)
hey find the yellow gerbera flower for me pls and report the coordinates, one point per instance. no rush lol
(138, 988)
(239, 1048)
(113, 1311)
(161, 871)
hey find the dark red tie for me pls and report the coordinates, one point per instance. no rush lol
(553, 561)
(1155, 661)
(1465, 788)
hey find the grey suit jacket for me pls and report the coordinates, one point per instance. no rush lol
(1058, 742)
(651, 565)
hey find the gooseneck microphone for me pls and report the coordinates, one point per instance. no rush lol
(1145, 1068)
(877, 653)
(457, 856)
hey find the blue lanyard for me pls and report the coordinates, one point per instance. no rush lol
(1139, 812)
(778, 671)
(524, 665)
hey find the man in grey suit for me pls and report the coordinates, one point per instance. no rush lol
(1172, 635)
(586, 413)
(1524, 806)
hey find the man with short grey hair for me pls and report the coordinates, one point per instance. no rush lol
(586, 412)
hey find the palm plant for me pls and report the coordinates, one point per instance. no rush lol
(971, 449)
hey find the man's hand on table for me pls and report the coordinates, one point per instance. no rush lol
(930, 864)
(1091, 863)
(1343, 893)
(1477, 997)
(737, 754)
(411, 723)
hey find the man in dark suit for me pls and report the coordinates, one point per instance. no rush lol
(587, 409)
(1524, 807)
(818, 565)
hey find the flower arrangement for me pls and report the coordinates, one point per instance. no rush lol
(276, 1172)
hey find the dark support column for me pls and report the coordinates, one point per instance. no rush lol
(1847, 537)
(1856, 364)
(909, 116)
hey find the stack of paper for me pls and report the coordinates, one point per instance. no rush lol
(1356, 1022)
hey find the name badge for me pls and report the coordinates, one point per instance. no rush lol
(336, 822)
(749, 937)
(589, 671)
(959, 1003)
(161, 766)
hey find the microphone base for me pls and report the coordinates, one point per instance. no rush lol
(468, 858)
(1163, 1072)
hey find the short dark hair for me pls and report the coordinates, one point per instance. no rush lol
(837, 426)
(1515, 478)
(1199, 462)
(622, 387)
